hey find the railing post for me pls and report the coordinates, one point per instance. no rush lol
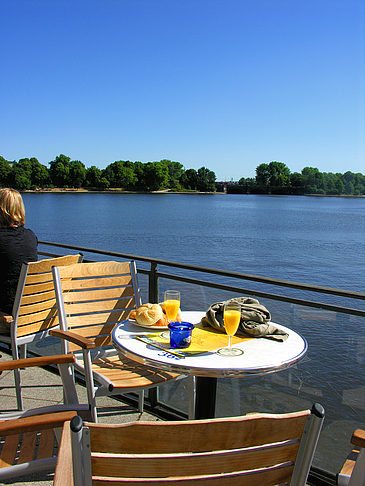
(153, 284)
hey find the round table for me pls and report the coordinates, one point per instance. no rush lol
(260, 356)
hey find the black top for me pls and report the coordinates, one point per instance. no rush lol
(17, 245)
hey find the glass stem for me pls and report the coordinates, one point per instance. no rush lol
(229, 342)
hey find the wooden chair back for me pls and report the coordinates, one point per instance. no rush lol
(353, 470)
(257, 449)
(94, 297)
(35, 307)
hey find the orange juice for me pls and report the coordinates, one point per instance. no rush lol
(172, 308)
(231, 321)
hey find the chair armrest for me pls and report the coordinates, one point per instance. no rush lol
(74, 338)
(35, 423)
(5, 318)
(358, 438)
(64, 470)
(39, 361)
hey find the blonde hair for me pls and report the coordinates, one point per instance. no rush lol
(12, 210)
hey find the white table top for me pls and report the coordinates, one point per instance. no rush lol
(260, 355)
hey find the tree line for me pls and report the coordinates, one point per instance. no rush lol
(29, 173)
(271, 178)
(276, 178)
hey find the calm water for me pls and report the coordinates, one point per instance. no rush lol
(317, 240)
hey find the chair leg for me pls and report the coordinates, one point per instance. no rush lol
(140, 401)
(89, 379)
(192, 396)
(23, 351)
(18, 389)
(18, 386)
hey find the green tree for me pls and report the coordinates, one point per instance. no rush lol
(175, 171)
(20, 176)
(120, 174)
(189, 179)
(59, 170)
(156, 176)
(77, 174)
(5, 170)
(39, 173)
(279, 174)
(205, 180)
(93, 177)
(313, 180)
(263, 175)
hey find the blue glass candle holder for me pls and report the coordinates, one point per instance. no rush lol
(180, 334)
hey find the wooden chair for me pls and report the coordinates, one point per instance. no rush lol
(92, 298)
(34, 309)
(29, 439)
(353, 471)
(257, 449)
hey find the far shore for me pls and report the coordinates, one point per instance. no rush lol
(119, 190)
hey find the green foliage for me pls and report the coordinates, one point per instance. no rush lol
(156, 176)
(59, 170)
(271, 178)
(205, 180)
(77, 174)
(120, 174)
(189, 179)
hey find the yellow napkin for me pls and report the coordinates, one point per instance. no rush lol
(203, 339)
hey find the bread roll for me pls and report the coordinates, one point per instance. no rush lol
(148, 314)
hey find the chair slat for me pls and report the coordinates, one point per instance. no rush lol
(37, 278)
(41, 287)
(27, 451)
(35, 298)
(106, 317)
(271, 477)
(37, 317)
(100, 294)
(125, 374)
(92, 269)
(9, 450)
(98, 306)
(46, 444)
(37, 326)
(44, 265)
(37, 307)
(95, 330)
(148, 437)
(157, 465)
(95, 282)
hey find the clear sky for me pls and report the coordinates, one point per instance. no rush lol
(225, 84)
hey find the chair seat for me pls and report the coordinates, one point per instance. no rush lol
(31, 446)
(124, 374)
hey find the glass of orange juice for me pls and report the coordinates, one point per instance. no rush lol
(172, 304)
(231, 317)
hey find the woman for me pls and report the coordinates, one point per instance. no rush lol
(17, 245)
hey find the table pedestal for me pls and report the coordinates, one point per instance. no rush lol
(206, 390)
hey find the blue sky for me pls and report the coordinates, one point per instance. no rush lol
(225, 84)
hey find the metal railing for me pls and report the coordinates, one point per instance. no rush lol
(154, 275)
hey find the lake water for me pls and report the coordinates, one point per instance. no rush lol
(319, 240)
(315, 240)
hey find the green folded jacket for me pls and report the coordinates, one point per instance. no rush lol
(255, 319)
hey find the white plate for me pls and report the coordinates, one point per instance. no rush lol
(145, 326)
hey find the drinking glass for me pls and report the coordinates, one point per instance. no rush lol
(172, 304)
(231, 317)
